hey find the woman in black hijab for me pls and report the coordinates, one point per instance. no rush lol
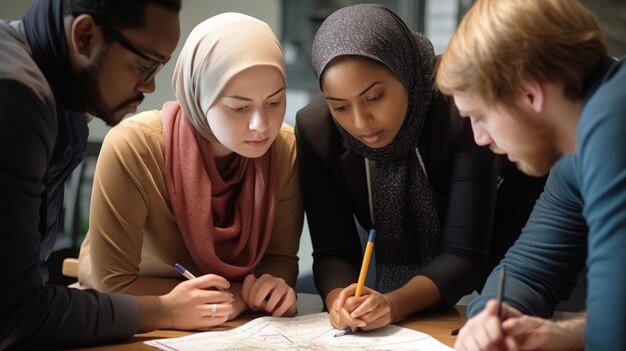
(382, 147)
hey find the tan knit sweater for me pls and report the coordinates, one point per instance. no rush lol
(133, 240)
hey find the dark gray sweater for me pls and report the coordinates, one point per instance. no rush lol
(41, 141)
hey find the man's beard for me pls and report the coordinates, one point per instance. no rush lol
(91, 95)
(540, 152)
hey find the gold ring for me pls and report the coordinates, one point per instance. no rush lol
(213, 310)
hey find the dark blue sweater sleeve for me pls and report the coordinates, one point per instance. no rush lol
(602, 169)
(33, 314)
(544, 263)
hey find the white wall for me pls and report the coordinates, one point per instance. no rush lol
(10, 10)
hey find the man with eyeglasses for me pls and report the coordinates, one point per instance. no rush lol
(149, 66)
(66, 59)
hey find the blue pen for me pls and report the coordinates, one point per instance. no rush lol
(184, 272)
(190, 276)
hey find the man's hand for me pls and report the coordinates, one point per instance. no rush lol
(484, 331)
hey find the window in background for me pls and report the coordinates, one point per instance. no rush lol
(437, 19)
(440, 19)
(612, 17)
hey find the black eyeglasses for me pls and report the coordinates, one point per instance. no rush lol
(117, 36)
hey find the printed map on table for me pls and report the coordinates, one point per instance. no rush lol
(309, 332)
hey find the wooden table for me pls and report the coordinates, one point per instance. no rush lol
(438, 325)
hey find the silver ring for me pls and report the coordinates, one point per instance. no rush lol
(213, 310)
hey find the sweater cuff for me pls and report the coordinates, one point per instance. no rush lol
(452, 275)
(125, 317)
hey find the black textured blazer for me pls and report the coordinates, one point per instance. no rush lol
(462, 174)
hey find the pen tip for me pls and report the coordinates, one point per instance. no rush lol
(343, 332)
(179, 268)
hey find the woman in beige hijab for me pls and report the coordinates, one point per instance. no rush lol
(208, 182)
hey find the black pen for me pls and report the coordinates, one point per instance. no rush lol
(500, 295)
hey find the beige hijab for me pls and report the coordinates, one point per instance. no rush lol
(215, 51)
(226, 220)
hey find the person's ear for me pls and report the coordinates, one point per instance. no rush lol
(533, 95)
(84, 38)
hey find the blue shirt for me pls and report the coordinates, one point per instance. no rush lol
(602, 175)
(581, 215)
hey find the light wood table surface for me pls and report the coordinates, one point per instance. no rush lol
(438, 325)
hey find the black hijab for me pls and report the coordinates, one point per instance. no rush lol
(403, 205)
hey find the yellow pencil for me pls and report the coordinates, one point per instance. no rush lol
(366, 263)
(362, 275)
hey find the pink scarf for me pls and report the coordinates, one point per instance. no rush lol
(226, 220)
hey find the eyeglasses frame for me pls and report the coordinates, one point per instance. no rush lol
(126, 44)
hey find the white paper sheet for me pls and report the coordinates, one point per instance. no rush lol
(309, 332)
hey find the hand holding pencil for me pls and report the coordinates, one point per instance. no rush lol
(487, 328)
(357, 306)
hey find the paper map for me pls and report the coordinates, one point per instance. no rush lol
(309, 332)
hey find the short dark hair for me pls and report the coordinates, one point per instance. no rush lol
(119, 14)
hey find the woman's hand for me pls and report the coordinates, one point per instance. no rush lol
(270, 294)
(369, 311)
(198, 303)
